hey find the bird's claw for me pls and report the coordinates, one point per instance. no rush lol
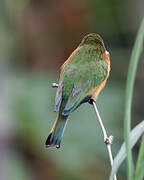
(91, 101)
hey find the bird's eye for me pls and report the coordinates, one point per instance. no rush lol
(107, 52)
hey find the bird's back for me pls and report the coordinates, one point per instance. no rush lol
(86, 63)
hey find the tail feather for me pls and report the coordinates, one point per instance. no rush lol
(55, 136)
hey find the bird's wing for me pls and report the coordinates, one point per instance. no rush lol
(77, 95)
(82, 82)
(58, 98)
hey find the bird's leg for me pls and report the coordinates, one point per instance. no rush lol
(55, 85)
(107, 140)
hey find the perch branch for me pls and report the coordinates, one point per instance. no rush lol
(107, 140)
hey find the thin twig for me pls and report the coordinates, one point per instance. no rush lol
(107, 140)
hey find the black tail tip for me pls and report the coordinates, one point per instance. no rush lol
(50, 142)
(52, 145)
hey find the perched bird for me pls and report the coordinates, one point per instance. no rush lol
(82, 77)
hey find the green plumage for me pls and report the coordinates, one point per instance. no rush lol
(85, 69)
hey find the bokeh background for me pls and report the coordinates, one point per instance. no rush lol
(36, 37)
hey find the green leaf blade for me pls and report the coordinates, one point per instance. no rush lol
(121, 155)
(136, 52)
(139, 174)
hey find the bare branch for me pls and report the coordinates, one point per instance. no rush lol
(107, 140)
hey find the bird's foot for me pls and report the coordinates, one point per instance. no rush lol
(91, 101)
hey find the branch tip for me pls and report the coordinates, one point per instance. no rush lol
(55, 85)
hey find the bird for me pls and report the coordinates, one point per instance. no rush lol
(82, 77)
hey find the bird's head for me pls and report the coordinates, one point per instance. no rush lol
(93, 40)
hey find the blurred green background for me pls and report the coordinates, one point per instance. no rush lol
(36, 37)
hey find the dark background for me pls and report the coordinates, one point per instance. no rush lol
(36, 37)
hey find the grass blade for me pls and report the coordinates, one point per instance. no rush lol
(139, 175)
(137, 49)
(121, 155)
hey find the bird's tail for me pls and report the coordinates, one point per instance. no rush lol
(57, 131)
